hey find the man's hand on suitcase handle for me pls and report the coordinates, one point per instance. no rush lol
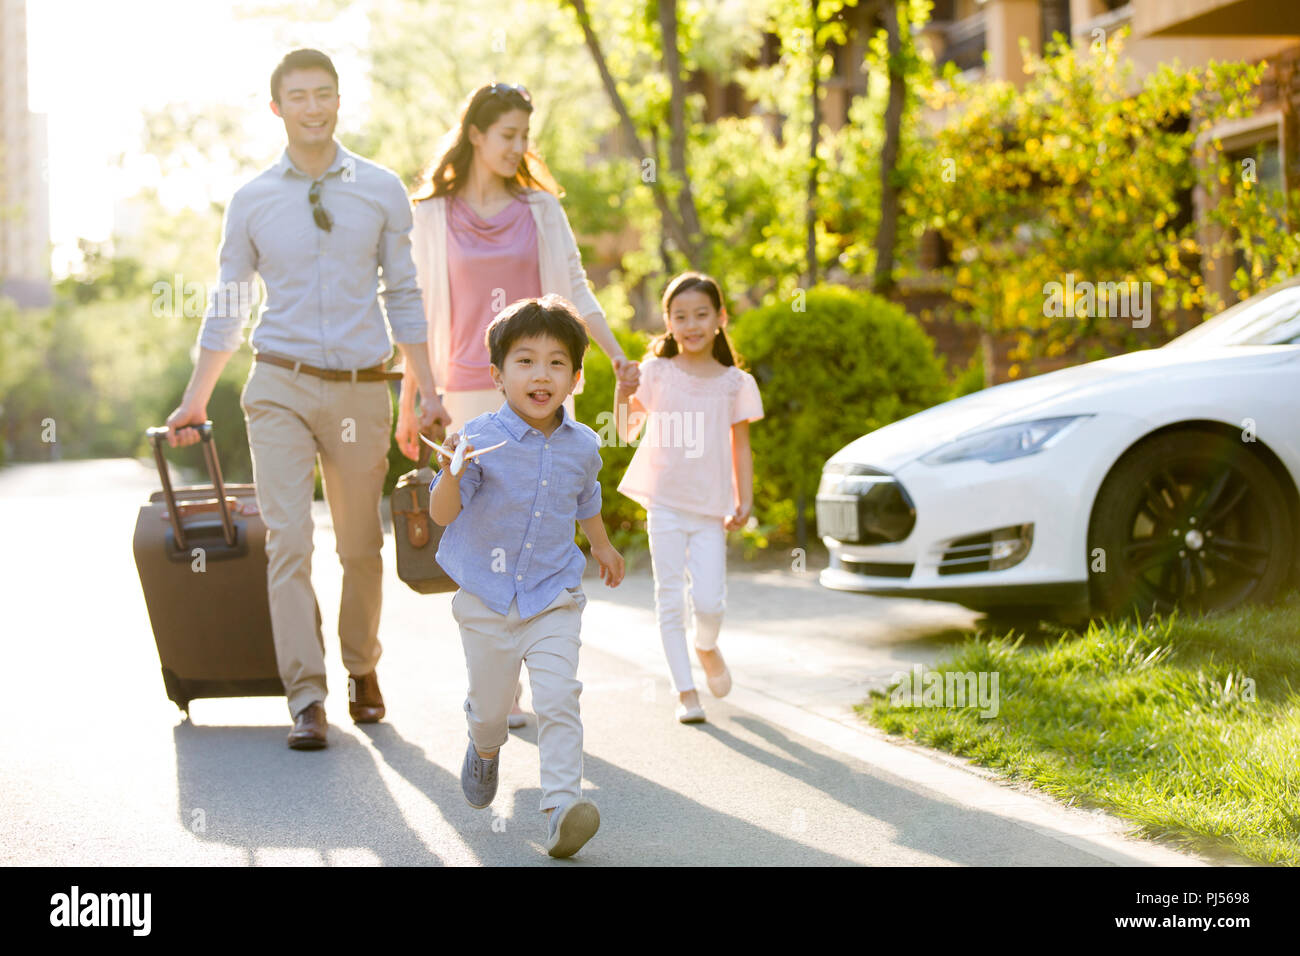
(179, 434)
(193, 409)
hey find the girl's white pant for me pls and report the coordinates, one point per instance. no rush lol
(686, 547)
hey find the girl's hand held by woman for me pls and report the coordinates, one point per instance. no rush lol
(628, 374)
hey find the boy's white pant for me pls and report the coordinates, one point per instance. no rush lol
(548, 642)
(682, 543)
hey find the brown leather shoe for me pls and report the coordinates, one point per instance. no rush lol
(365, 703)
(309, 728)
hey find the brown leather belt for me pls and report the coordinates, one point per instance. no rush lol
(373, 374)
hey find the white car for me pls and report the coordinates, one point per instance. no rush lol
(1161, 478)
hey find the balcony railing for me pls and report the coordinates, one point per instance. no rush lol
(964, 43)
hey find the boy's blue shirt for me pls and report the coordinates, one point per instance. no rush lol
(513, 538)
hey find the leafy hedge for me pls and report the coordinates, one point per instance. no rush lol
(848, 363)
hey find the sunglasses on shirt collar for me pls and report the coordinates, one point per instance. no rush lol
(318, 212)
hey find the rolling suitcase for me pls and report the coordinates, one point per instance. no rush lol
(415, 533)
(201, 555)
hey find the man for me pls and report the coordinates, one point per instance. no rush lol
(318, 226)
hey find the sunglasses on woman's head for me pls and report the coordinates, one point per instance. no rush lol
(318, 212)
(507, 89)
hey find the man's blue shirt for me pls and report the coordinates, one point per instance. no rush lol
(514, 535)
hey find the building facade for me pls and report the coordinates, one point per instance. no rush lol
(24, 189)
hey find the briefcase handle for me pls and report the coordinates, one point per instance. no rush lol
(156, 435)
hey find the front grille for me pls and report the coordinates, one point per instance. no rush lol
(878, 569)
(967, 555)
(860, 505)
(993, 550)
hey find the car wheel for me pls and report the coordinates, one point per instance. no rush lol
(1191, 520)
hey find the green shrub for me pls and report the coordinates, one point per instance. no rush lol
(101, 372)
(848, 363)
(970, 379)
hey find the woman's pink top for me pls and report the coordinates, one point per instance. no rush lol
(683, 460)
(490, 263)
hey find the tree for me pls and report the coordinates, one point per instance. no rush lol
(682, 224)
(644, 157)
(815, 131)
(886, 235)
(102, 274)
(1250, 224)
(1073, 179)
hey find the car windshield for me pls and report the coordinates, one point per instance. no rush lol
(1270, 318)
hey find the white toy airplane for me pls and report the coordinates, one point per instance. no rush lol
(458, 457)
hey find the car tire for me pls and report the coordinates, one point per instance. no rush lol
(1188, 519)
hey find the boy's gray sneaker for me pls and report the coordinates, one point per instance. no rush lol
(571, 826)
(478, 778)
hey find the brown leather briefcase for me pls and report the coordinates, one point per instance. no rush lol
(201, 554)
(416, 534)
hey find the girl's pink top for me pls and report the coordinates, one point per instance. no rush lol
(683, 460)
(490, 263)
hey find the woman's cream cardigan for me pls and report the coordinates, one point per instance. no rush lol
(559, 265)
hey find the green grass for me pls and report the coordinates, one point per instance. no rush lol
(1187, 726)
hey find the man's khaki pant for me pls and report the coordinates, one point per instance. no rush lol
(292, 418)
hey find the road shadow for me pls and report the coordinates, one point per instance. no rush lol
(441, 786)
(962, 835)
(243, 787)
(681, 832)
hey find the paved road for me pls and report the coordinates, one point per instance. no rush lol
(97, 767)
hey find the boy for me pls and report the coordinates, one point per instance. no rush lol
(509, 545)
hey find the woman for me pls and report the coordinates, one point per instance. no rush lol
(490, 230)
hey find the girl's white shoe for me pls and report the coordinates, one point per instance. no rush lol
(690, 715)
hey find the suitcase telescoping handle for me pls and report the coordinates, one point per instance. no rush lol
(157, 435)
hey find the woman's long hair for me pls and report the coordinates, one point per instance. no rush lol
(484, 107)
(665, 346)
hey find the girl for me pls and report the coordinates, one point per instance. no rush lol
(489, 230)
(692, 471)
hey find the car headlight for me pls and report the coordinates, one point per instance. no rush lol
(838, 478)
(1004, 442)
